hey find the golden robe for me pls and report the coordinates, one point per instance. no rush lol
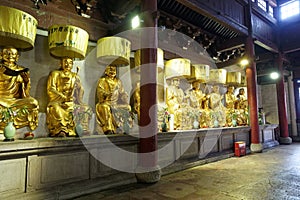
(14, 95)
(60, 108)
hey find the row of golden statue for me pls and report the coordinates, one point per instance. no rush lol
(66, 114)
(197, 109)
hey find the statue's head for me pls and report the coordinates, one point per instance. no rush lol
(196, 84)
(216, 89)
(241, 91)
(66, 64)
(9, 54)
(230, 89)
(111, 71)
(176, 81)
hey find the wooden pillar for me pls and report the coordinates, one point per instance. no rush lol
(281, 99)
(148, 170)
(255, 146)
(251, 78)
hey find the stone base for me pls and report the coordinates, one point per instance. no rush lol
(148, 175)
(256, 148)
(285, 140)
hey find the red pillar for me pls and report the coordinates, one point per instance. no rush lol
(281, 100)
(255, 146)
(148, 171)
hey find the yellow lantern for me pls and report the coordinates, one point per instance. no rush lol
(113, 50)
(67, 41)
(160, 59)
(217, 76)
(17, 28)
(200, 72)
(234, 78)
(178, 67)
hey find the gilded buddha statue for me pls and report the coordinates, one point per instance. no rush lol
(112, 108)
(175, 100)
(230, 103)
(14, 91)
(60, 88)
(217, 107)
(242, 108)
(195, 95)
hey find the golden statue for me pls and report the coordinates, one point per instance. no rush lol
(230, 99)
(175, 100)
(195, 95)
(242, 108)
(230, 102)
(205, 118)
(60, 88)
(242, 101)
(112, 109)
(218, 109)
(14, 92)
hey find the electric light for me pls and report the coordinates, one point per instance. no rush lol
(135, 22)
(244, 62)
(274, 75)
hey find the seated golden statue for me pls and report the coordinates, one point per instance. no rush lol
(242, 108)
(218, 109)
(230, 102)
(195, 95)
(112, 109)
(175, 102)
(14, 91)
(60, 88)
(242, 101)
(205, 118)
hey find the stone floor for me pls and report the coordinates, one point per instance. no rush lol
(273, 174)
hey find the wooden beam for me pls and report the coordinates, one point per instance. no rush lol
(232, 44)
(267, 45)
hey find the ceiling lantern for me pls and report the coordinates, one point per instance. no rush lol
(67, 41)
(178, 68)
(217, 76)
(17, 28)
(234, 78)
(200, 72)
(160, 59)
(114, 51)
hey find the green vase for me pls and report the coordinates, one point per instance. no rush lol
(79, 130)
(234, 123)
(9, 132)
(164, 127)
